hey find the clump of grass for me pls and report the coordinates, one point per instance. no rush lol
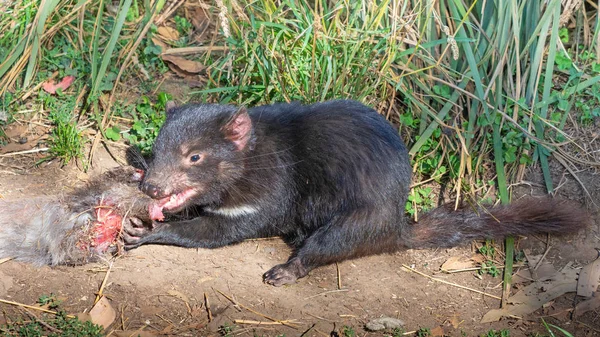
(66, 141)
(301, 51)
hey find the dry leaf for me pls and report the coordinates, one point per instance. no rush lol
(103, 313)
(535, 295)
(168, 33)
(455, 321)
(544, 271)
(179, 295)
(522, 276)
(587, 305)
(198, 19)
(437, 332)
(588, 279)
(50, 86)
(163, 46)
(15, 131)
(457, 263)
(478, 258)
(189, 67)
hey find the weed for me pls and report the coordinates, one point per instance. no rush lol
(227, 329)
(58, 325)
(149, 55)
(494, 333)
(148, 118)
(488, 250)
(182, 24)
(397, 332)
(488, 267)
(420, 199)
(50, 300)
(423, 332)
(348, 331)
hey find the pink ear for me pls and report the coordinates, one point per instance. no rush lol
(239, 128)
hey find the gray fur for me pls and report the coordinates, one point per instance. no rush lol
(46, 230)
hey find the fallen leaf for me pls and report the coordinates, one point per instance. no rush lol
(168, 33)
(15, 131)
(457, 263)
(199, 19)
(535, 295)
(588, 279)
(103, 313)
(179, 295)
(522, 276)
(587, 305)
(437, 332)
(543, 272)
(455, 321)
(50, 86)
(160, 43)
(188, 66)
(478, 258)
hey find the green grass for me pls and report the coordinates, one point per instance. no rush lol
(59, 325)
(66, 142)
(495, 333)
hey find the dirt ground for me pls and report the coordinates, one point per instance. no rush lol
(162, 289)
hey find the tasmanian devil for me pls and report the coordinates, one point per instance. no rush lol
(331, 178)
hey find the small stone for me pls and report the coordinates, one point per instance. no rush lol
(384, 323)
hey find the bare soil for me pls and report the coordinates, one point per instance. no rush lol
(163, 289)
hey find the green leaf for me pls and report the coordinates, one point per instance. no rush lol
(113, 133)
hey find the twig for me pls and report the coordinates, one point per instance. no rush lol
(245, 321)
(328, 292)
(6, 259)
(207, 304)
(48, 326)
(10, 154)
(539, 263)
(254, 311)
(32, 307)
(450, 283)
(476, 268)
(307, 330)
(193, 50)
(99, 294)
(321, 318)
(339, 276)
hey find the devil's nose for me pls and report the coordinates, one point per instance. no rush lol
(150, 189)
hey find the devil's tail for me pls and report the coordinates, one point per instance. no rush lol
(446, 227)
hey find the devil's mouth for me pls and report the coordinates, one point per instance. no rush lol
(174, 202)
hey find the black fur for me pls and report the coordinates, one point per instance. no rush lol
(332, 178)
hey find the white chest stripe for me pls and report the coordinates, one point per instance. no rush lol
(234, 212)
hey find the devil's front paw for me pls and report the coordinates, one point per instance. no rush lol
(136, 233)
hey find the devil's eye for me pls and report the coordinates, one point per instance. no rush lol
(195, 158)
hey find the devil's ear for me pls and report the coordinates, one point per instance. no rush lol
(170, 108)
(238, 128)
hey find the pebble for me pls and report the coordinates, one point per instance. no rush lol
(384, 323)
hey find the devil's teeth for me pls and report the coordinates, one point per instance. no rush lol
(172, 197)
